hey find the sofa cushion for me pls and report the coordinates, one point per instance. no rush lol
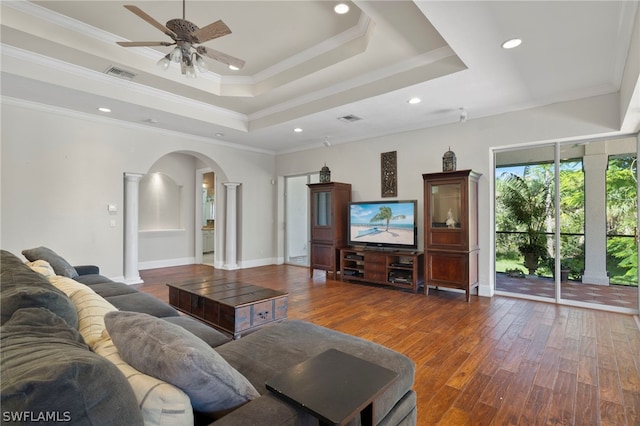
(91, 279)
(24, 288)
(142, 302)
(57, 262)
(47, 368)
(265, 353)
(209, 335)
(172, 354)
(161, 403)
(110, 289)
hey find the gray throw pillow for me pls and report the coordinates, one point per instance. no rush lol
(48, 369)
(59, 265)
(24, 288)
(171, 353)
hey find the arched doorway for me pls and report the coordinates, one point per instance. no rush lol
(176, 181)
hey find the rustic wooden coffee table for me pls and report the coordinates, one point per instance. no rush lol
(233, 307)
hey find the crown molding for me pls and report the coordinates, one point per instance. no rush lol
(53, 109)
(363, 79)
(101, 78)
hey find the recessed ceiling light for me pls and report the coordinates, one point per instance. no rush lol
(219, 135)
(341, 8)
(510, 44)
(297, 130)
(414, 101)
(104, 109)
(233, 68)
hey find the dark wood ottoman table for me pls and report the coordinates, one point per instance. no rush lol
(334, 387)
(233, 307)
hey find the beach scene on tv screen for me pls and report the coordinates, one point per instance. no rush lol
(382, 223)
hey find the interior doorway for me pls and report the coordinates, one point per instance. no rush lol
(208, 217)
(297, 218)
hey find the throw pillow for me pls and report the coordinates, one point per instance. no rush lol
(67, 285)
(47, 369)
(173, 354)
(161, 403)
(61, 266)
(42, 267)
(91, 311)
(23, 288)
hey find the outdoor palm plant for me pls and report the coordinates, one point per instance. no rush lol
(529, 203)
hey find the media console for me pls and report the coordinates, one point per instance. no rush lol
(403, 269)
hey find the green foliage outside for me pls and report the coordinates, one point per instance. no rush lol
(622, 263)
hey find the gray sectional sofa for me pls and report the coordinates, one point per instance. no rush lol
(61, 359)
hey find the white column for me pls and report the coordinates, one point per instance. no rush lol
(595, 227)
(131, 208)
(231, 226)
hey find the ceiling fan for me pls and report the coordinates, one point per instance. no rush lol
(186, 36)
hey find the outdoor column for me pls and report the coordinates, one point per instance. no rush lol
(231, 226)
(131, 208)
(595, 227)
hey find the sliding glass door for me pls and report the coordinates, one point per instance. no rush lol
(588, 192)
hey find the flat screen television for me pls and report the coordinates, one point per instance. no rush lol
(383, 224)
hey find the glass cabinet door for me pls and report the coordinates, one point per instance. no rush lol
(445, 205)
(322, 207)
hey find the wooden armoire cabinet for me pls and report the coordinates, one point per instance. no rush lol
(451, 230)
(329, 206)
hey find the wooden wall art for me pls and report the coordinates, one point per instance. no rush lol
(389, 174)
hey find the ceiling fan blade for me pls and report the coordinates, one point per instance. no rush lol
(143, 43)
(220, 57)
(150, 20)
(211, 31)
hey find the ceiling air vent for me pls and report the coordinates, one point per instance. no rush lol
(350, 118)
(120, 73)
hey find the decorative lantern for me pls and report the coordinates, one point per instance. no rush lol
(449, 161)
(325, 174)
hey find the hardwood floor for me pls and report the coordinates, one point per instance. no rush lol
(495, 361)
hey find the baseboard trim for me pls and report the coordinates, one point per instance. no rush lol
(166, 263)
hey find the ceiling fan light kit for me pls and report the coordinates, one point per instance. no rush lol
(186, 36)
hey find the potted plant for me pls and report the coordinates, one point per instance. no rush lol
(564, 269)
(528, 203)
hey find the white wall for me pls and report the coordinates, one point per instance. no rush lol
(60, 170)
(421, 152)
(170, 242)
